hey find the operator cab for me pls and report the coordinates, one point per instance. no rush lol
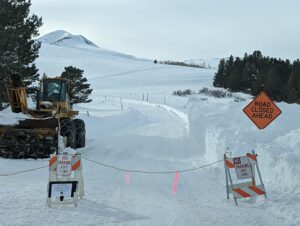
(54, 90)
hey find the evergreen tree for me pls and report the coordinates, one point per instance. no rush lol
(257, 54)
(248, 75)
(293, 85)
(219, 78)
(256, 73)
(229, 67)
(273, 83)
(18, 50)
(79, 89)
(258, 84)
(234, 80)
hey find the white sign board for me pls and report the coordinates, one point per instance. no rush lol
(64, 165)
(243, 168)
(58, 190)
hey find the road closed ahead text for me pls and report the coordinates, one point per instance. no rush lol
(262, 110)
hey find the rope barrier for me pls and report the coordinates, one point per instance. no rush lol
(120, 169)
(152, 172)
(23, 171)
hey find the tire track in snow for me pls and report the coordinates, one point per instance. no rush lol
(179, 116)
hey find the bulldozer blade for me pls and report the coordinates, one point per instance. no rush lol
(38, 123)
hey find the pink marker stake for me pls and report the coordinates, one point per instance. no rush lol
(175, 182)
(127, 177)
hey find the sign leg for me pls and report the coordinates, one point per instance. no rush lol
(231, 185)
(226, 177)
(235, 202)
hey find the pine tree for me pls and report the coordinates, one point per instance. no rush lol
(234, 80)
(18, 50)
(247, 77)
(293, 85)
(229, 67)
(273, 83)
(258, 84)
(219, 78)
(256, 73)
(79, 89)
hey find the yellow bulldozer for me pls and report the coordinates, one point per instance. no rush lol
(37, 135)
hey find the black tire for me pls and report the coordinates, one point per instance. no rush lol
(80, 133)
(67, 129)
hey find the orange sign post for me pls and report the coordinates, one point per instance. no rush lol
(262, 110)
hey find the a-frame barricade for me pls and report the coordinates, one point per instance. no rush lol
(245, 167)
(65, 179)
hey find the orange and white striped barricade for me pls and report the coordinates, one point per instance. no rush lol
(65, 179)
(245, 167)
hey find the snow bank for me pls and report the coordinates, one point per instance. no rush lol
(224, 128)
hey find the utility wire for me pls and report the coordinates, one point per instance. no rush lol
(152, 172)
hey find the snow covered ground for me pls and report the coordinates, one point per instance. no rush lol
(135, 123)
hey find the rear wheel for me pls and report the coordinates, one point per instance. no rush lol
(67, 129)
(80, 133)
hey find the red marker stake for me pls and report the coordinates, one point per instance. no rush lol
(175, 182)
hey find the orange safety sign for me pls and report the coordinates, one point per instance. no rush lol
(65, 179)
(230, 161)
(245, 167)
(262, 110)
(53, 162)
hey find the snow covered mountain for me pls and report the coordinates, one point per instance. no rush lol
(60, 49)
(63, 38)
(136, 124)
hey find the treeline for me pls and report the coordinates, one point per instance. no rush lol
(180, 63)
(255, 73)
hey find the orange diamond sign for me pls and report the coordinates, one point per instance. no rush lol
(262, 110)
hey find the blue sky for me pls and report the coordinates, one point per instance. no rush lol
(178, 30)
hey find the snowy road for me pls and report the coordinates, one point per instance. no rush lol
(200, 198)
(168, 133)
(142, 137)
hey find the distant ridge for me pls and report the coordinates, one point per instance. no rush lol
(64, 38)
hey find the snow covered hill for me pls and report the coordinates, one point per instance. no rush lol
(60, 48)
(63, 38)
(135, 123)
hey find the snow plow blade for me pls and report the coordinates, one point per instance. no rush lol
(31, 138)
(38, 123)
